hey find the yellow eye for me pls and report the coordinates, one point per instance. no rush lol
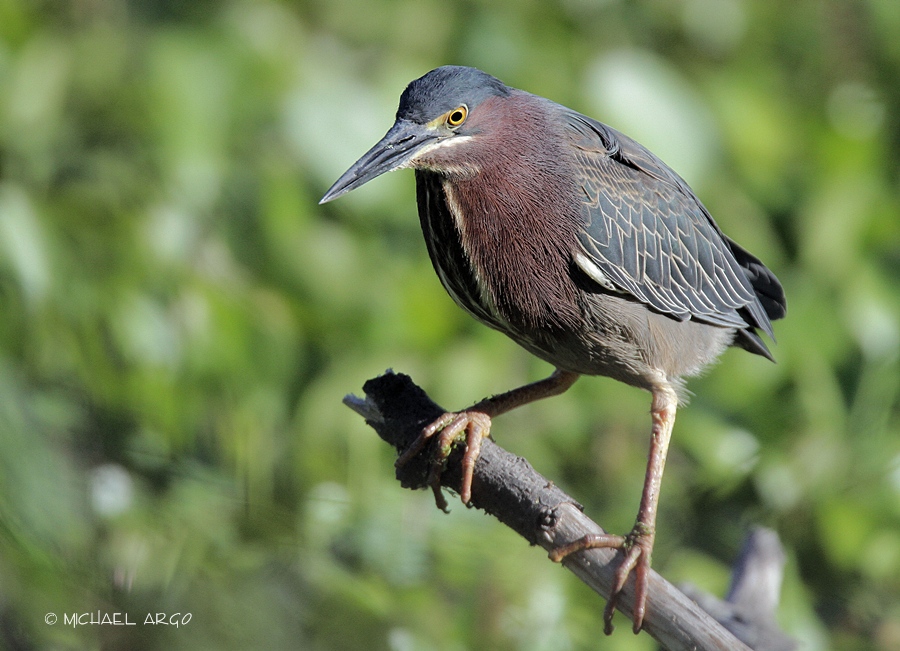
(457, 116)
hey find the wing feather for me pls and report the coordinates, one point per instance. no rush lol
(648, 233)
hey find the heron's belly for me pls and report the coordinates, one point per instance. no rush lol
(628, 342)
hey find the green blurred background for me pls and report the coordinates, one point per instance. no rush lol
(179, 321)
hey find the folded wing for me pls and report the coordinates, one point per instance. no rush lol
(646, 234)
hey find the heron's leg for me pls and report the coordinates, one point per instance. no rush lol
(473, 425)
(637, 546)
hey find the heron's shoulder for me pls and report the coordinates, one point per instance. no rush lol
(595, 140)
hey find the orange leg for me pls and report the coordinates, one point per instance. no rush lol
(473, 425)
(637, 546)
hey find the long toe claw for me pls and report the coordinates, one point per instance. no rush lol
(641, 585)
(637, 560)
(470, 427)
(479, 429)
(590, 541)
(636, 547)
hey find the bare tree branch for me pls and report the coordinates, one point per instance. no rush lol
(507, 487)
(750, 607)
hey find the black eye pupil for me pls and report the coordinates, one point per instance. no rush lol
(456, 117)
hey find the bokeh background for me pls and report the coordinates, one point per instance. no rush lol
(179, 321)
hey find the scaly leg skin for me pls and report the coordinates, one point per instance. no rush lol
(637, 546)
(472, 426)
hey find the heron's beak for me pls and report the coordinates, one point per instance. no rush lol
(395, 151)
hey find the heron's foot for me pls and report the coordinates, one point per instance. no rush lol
(469, 427)
(636, 549)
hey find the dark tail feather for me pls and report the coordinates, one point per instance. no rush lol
(771, 298)
(768, 290)
(750, 340)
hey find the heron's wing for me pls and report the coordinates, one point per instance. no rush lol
(645, 233)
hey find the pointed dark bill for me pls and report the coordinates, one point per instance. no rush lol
(399, 145)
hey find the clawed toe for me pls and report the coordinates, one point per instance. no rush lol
(636, 559)
(469, 427)
(636, 549)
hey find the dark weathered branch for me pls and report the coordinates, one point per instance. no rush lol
(508, 488)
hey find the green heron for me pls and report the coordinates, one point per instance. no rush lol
(584, 248)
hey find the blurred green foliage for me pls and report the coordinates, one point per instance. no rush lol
(179, 320)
